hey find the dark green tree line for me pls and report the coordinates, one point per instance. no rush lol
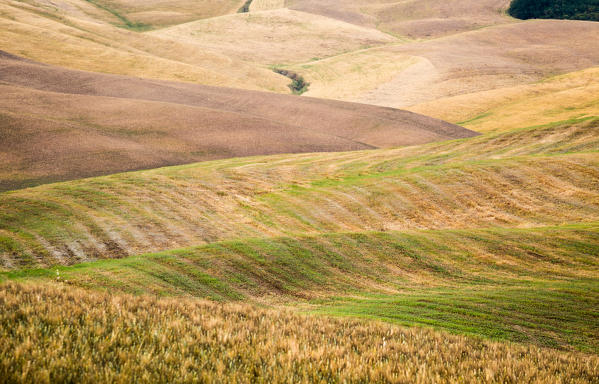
(555, 9)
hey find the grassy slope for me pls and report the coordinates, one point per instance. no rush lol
(75, 335)
(265, 5)
(275, 37)
(492, 59)
(348, 75)
(564, 97)
(71, 35)
(466, 281)
(535, 176)
(498, 283)
(420, 19)
(208, 51)
(161, 13)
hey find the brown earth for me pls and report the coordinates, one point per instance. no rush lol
(60, 124)
(411, 18)
(486, 59)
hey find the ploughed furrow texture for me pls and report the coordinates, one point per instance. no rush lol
(59, 124)
(61, 334)
(536, 176)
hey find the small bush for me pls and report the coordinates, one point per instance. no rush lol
(298, 84)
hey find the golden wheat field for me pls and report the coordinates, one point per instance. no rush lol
(183, 340)
(298, 191)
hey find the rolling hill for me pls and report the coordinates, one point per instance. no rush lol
(410, 73)
(63, 124)
(163, 218)
(278, 36)
(77, 35)
(243, 343)
(413, 18)
(490, 180)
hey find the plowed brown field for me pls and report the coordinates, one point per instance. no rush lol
(60, 124)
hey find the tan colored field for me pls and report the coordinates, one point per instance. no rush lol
(297, 208)
(275, 37)
(344, 76)
(266, 5)
(488, 59)
(532, 177)
(412, 18)
(74, 39)
(403, 74)
(559, 98)
(209, 51)
(160, 13)
(55, 334)
(61, 124)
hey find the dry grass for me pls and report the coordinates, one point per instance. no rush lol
(490, 58)
(502, 284)
(58, 334)
(68, 38)
(559, 98)
(413, 18)
(531, 177)
(235, 50)
(266, 5)
(531, 285)
(275, 37)
(160, 13)
(475, 71)
(348, 76)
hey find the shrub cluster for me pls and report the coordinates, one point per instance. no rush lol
(298, 84)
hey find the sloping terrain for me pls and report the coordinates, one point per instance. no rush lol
(60, 124)
(378, 214)
(159, 13)
(412, 18)
(570, 96)
(467, 63)
(545, 175)
(71, 335)
(336, 47)
(463, 273)
(75, 34)
(266, 5)
(275, 37)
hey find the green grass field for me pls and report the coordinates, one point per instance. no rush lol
(499, 283)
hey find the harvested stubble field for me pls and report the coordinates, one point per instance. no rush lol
(498, 283)
(464, 52)
(276, 36)
(559, 98)
(545, 175)
(419, 19)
